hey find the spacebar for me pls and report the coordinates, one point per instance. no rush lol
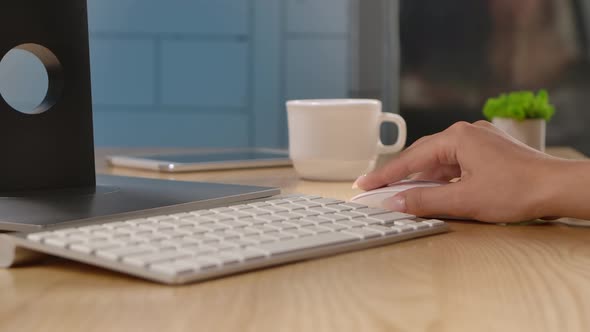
(309, 242)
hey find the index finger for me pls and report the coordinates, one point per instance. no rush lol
(437, 150)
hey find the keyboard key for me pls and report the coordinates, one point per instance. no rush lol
(295, 199)
(311, 197)
(316, 220)
(180, 243)
(118, 253)
(403, 222)
(216, 227)
(202, 213)
(383, 230)
(371, 211)
(351, 214)
(242, 242)
(184, 265)
(86, 237)
(307, 204)
(59, 241)
(258, 204)
(307, 213)
(390, 217)
(273, 209)
(230, 235)
(317, 229)
(291, 207)
(248, 231)
(104, 233)
(321, 210)
(310, 242)
(403, 228)
(355, 205)
(334, 217)
(280, 236)
(38, 237)
(67, 232)
(362, 232)
(127, 230)
(234, 223)
(226, 258)
(198, 221)
(159, 246)
(283, 226)
(180, 215)
(174, 268)
(262, 229)
(213, 237)
(180, 223)
(152, 237)
(246, 254)
(277, 201)
(136, 222)
(198, 250)
(196, 230)
(90, 247)
(267, 219)
(234, 215)
(90, 228)
(219, 217)
(299, 223)
(151, 258)
(255, 212)
(159, 218)
(239, 207)
(155, 227)
(434, 222)
(419, 225)
(368, 221)
(334, 227)
(327, 201)
(222, 210)
(261, 238)
(221, 246)
(338, 207)
(350, 223)
(170, 234)
(298, 232)
(115, 225)
(206, 262)
(289, 215)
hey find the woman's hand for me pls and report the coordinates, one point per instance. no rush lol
(499, 179)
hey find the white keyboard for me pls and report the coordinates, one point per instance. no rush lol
(196, 245)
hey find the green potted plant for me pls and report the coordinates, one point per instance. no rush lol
(522, 114)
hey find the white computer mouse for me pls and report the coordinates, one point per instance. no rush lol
(375, 198)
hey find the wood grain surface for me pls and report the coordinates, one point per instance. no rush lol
(478, 277)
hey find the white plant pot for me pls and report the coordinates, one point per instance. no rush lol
(530, 131)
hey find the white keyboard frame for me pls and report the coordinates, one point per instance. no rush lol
(16, 241)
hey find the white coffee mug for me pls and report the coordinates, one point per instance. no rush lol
(338, 139)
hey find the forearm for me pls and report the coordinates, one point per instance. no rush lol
(566, 189)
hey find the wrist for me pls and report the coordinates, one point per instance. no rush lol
(563, 190)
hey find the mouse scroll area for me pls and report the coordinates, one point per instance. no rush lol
(374, 198)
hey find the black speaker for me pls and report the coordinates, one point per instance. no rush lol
(53, 148)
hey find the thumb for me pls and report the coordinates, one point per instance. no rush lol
(444, 200)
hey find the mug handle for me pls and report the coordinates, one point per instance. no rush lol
(401, 136)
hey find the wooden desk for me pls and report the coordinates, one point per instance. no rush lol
(476, 278)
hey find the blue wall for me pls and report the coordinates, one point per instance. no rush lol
(211, 72)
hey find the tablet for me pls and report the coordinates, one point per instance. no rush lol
(204, 161)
